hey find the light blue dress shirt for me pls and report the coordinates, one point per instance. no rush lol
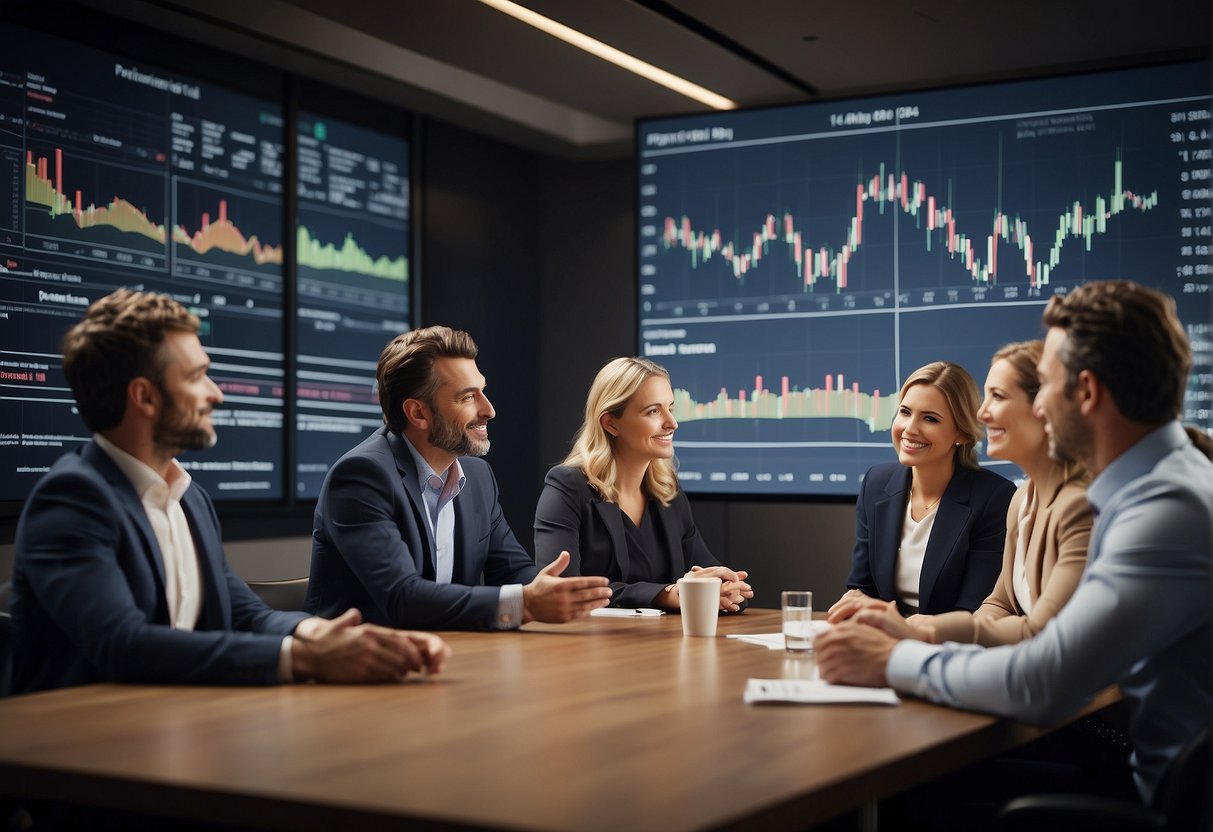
(1140, 616)
(439, 491)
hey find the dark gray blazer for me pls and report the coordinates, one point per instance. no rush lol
(571, 516)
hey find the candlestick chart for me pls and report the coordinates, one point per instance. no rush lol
(796, 264)
(1077, 224)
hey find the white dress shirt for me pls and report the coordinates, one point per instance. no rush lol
(915, 534)
(162, 501)
(439, 491)
(182, 575)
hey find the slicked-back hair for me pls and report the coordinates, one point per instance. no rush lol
(1131, 339)
(119, 339)
(406, 368)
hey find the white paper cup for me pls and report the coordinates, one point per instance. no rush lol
(699, 602)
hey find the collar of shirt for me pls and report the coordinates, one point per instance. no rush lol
(445, 486)
(1135, 462)
(147, 483)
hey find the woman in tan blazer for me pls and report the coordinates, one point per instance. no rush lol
(1048, 522)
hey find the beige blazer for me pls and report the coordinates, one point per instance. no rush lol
(1055, 556)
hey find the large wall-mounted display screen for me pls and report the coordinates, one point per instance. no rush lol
(796, 264)
(115, 173)
(352, 253)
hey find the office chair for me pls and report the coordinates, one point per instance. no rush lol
(1183, 802)
(6, 642)
(287, 595)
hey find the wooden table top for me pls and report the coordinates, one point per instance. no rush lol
(602, 724)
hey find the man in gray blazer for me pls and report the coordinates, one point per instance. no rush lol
(409, 526)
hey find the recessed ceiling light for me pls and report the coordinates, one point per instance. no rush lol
(615, 56)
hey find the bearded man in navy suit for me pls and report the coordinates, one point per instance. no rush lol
(120, 574)
(409, 527)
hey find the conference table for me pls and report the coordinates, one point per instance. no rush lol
(600, 724)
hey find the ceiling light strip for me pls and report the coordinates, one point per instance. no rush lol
(610, 53)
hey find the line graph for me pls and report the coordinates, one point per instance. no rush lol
(883, 189)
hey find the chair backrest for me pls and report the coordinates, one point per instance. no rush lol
(1184, 797)
(6, 641)
(6, 653)
(287, 595)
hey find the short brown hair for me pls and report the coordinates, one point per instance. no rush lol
(406, 368)
(1131, 339)
(118, 340)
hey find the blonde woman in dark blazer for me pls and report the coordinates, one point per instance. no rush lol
(614, 503)
(1048, 521)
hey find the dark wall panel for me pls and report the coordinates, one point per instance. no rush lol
(479, 272)
(588, 291)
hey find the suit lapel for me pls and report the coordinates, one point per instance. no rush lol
(951, 518)
(468, 526)
(131, 504)
(216, 611)
(407, 469)
(673, 539)
(890, 513)
(612, 518)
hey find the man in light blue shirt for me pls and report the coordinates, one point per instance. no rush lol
(1113, 374)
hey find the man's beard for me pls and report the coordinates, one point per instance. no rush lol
(175, 430)
(447, 436)
(1069, 439)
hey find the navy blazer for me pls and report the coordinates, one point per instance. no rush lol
(88, 600)
(573, 517)
(372, 548)
(964, 552)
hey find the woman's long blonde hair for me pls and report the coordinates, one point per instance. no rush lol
(593, 452)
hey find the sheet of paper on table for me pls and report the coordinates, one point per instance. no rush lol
(620, 612)
(774, 641)
(815, 692)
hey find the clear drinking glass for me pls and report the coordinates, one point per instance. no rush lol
(797, 621)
